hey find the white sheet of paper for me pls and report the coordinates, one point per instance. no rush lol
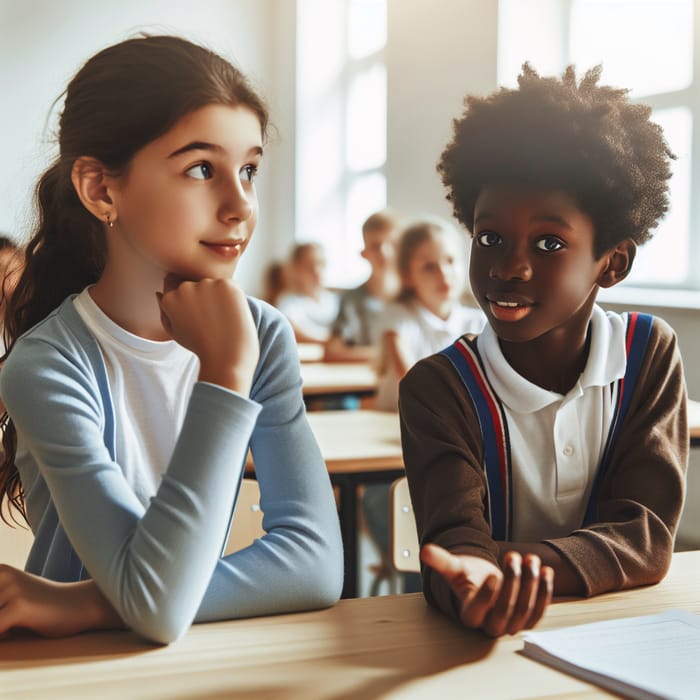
(649, 657)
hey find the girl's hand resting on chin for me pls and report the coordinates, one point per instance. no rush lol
(494, 600)
(211, 317)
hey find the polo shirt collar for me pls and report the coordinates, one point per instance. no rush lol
(606, 363)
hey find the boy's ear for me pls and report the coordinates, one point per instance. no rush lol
(619, 263)
(89, 178)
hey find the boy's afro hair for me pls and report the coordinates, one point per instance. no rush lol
(587, 140)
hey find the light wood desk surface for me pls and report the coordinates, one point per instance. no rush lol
(367, 648)
(337, 378)
(362, 440)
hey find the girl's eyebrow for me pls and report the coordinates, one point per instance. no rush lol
(204, 146)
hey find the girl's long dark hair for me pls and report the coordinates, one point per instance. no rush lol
(123, 98)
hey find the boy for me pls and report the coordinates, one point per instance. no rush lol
(355, 333)
(533, 468)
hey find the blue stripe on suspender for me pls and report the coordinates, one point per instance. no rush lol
(496, 464)
(638, 332)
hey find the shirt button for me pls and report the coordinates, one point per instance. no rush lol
(568, 451)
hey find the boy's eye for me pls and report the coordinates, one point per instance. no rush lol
(201, 171)
(549, 244)
(249, 172)
(488, 239)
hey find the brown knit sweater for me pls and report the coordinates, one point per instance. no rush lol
(640, 498)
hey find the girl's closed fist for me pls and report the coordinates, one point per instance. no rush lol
(211, 317)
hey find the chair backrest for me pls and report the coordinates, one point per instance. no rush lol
(403, 539)
(15, 543)
(247, 520)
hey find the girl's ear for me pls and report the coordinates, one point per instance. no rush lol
(89, 178)
(619, 263)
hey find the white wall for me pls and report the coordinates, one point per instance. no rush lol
(436, 53)
(42, 44)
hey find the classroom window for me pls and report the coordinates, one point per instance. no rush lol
(341, 128)
(648, 47)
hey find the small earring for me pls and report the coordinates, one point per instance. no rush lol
(110, 223)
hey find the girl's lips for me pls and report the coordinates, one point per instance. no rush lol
(225, 250)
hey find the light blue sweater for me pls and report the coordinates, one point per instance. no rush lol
(161, 566)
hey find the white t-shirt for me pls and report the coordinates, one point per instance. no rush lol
(422, 333)
(312, 316)
(150, 383)
(556, 441)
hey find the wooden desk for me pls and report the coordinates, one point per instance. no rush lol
(338, 378)
(359, 447)
(369, 648)
(310, 352)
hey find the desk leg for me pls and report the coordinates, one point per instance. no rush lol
(348, 528)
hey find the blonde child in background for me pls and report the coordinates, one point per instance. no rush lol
(138, 374)
(310, 308)
(356, 332)
(428, 314)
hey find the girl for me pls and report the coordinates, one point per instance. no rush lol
(428, 314)
(138, 374)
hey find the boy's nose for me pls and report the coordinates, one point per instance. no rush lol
(511, 265)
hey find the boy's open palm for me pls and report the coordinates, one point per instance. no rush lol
(494, 600)
(211, 317)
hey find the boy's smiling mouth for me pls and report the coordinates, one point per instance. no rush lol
(509, 309)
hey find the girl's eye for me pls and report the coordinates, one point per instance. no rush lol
(549, 244)
(249, 172)
(201, 171)
(488, 239)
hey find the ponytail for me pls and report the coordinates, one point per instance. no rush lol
(66, 254)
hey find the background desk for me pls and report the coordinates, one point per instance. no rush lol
(367, 648)
(332, 379)
(358, 447)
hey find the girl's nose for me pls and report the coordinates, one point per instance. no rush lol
(511, 265)
(237, 204)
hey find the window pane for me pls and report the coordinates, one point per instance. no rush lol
(664, 259)
(645, 45)
(530, 31)
(366, 27)
(366, 194)
(366, 119)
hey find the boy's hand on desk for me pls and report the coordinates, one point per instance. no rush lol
(494, 600)
(49, 608)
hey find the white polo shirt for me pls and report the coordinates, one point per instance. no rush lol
(556, 441)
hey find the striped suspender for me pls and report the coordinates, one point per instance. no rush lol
(494, 429)
(494, 433)
(638, 331)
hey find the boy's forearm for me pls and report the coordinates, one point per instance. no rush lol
(567, 581)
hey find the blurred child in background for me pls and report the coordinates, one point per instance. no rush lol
(428, 314)
(356, 333)
(309, 306)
